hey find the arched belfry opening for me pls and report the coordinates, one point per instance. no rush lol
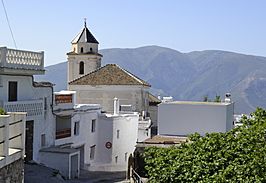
(81, 67)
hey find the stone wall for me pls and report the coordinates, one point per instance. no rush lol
(13, 172)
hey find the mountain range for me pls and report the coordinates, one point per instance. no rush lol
(186, 76)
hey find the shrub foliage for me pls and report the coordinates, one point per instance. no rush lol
(236, 156)
(2, 111)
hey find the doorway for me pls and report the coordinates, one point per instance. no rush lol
(29, 141)
(74, 166)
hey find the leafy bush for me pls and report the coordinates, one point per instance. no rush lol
(236, 156)
(2, 111)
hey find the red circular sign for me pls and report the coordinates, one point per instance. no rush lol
(108, 145)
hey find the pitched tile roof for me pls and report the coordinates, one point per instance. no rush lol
(110, 74)
(152, 99)
(85, 36)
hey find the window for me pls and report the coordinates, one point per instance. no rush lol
(116, 159)
(81, 67)
(43, 143)
(93, 125)
(92, 152)
(76, 128)
(117, 133)
(125, 157)
(12, 91)
(45, 103)
(90, 49)
(81, 50)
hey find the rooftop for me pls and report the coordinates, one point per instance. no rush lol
(198, 103)
(85, 36)
(110, 74)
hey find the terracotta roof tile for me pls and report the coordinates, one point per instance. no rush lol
(110, 74)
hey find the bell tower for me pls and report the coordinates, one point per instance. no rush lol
(84, 57)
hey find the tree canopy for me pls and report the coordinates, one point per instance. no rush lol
(236, 156)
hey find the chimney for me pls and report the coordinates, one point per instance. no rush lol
(116, 106)
(227, 98)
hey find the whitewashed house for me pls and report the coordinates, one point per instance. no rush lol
(88, 139)
(187, 117)
(12, 149)
(19, 93)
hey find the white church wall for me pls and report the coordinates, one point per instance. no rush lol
(137, 96)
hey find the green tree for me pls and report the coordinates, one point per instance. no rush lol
(205, 98)
(235, 156)
(217, 98)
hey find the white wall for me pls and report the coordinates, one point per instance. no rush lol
(107, 132)
(144, 130)
(184, 118)
(137, 96)
(44, 124)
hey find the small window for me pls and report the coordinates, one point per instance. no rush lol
(45, 103)
(117, 133)
(12, 91)
(76, 128)
(81, 67)
(81, 50)
(93, 125)
(116, 159)
(92, 152)
(43, 143)
(126, 157)
(90, 49)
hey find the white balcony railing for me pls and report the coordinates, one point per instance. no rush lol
(32, 107)
(12, 137)
(20, 59)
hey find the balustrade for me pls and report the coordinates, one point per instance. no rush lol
(33, 108)
(20, 59)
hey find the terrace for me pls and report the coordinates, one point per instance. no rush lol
(17, 61)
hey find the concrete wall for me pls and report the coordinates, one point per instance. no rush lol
(13, 172)
(185, 118)
(153, 110)
(58, 161)
(137, 96)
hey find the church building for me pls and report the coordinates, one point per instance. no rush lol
(96, 84)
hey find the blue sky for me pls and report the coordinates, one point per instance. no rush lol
(188, 25)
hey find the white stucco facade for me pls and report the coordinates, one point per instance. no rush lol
(121, 133)
(102, 141)
(184, 118)
(136, 96)
(35, 99)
